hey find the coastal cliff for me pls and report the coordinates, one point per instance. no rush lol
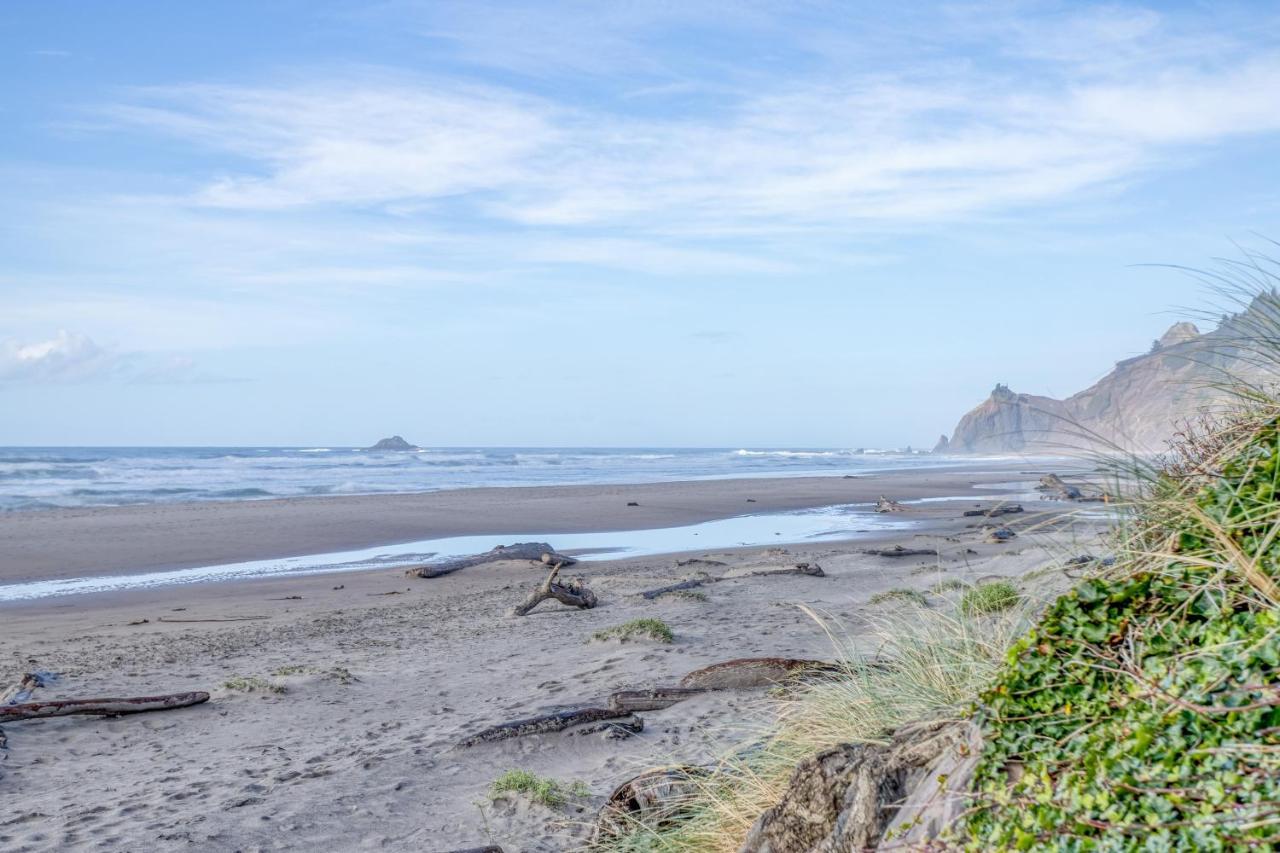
(1137, 406)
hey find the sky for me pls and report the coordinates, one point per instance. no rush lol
(769, 224)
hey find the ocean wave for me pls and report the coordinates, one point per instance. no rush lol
(796, 454)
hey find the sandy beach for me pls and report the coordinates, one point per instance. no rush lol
(64, 543)
(365, 682)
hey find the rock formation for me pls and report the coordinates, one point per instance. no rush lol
(395, 442)
(1138, 405)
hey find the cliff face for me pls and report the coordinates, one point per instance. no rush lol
(1136, 406)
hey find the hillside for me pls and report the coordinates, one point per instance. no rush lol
(1136, 407)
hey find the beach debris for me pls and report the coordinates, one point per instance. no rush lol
(340, 586)
(573, 594)
(994, 512)
(287, 598)
(535, 551)
(900, 551)
(746, 673)
(811, 569)
(651, 799)
(100, 707)
(886, 505)
(492, 848)
(652, 698)
(1063, 490)
(691, 583)
(619, 729)
(699, 561)
(545, 724)
(751, 500)
(633, 503)
(1001, 534)
(224, 619)
(143, 621)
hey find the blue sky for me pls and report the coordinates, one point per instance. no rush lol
(695, 223)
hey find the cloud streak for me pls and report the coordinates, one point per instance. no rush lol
(836, 148)
(70, 357)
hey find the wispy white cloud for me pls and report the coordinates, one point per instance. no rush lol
(834, 147)
(74, 357)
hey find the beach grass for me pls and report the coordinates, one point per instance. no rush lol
(989, 598)
(540, 789)
(638, 629)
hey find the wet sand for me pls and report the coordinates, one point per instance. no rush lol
(124, 540)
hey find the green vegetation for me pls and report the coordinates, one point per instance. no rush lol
(637, 629)
(1143, 710)
(899, 594)
(989, 598)
(948, 585)
(340, 674)
(934, 663)
(252, 684)
(540, 789)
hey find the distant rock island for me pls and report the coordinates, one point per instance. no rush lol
(1136, 407)
(393, 443)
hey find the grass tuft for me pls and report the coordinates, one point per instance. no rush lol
(252, 684)
(541, 789)
(989, 598)
(638, 629)
(899, 594)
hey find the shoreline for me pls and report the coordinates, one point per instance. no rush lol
(104, 541)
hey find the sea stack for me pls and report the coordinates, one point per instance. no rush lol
(395, 442)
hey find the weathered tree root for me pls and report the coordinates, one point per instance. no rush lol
(100, 707)
(653, 798)
(520, 551)
(573, 594)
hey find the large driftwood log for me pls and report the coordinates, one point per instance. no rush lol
(573, 594)
(745, 673)
(520, 551)
(99, 707)
(545, 724)
(899, 551)
(492, 848)
(651, 699)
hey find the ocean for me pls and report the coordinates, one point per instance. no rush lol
(35, 478)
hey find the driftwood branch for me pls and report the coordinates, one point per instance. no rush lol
(545, 724)
(994, 512)
(22, 691)
(886, 505)
(692, 583)
(811, 569)
(573, 594)
(99, 707)
(651, 699)
(520, 551)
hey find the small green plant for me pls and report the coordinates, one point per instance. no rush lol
(989, 598)
(252, 684)
(340, 674)
(689, 595)
(541, 789)
(901, 593)
(949, 585)
(292, 669)
(646, 629)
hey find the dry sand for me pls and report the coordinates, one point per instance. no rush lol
(387, 674)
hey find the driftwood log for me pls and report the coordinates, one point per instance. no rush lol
(692, 583)
(545, 724)
(492, 848)
(994, 512)
(99, 707)
(746, 673)
(899, 551)
(811, 569)
(535, 551)
(573, 594)
(886, 505)
(651, 699)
